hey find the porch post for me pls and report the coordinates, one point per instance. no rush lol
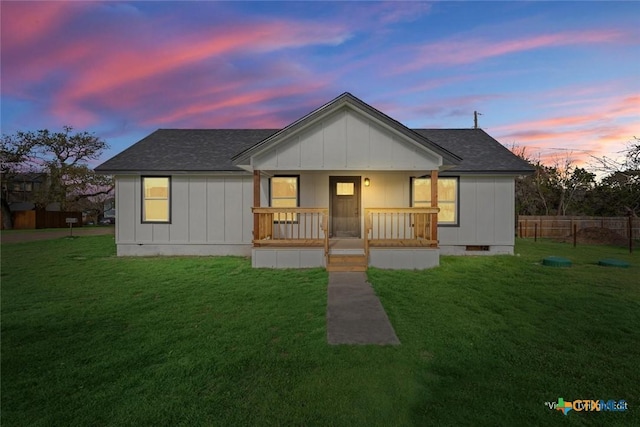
(434, 204)
(256, 204)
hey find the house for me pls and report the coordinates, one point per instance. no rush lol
(344, 187)
(23, 191)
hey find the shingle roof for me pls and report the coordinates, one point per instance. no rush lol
(212, 150)
(480, 152)
(188, 150)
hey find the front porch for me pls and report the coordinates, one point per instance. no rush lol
(394, 238)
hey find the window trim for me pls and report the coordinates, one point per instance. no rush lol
(457, 201)
(142, 199)
(297, 177)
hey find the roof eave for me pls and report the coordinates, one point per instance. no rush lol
(170, 172)
(514, 172)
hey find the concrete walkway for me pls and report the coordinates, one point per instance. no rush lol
(354, 312)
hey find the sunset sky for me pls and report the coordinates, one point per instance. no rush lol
(557, 77)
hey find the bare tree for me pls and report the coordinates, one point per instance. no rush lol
(571, 181)
(621, 185)
(627, 164)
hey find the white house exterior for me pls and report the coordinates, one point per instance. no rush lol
(344, 187)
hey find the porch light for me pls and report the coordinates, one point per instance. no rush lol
(367, 182)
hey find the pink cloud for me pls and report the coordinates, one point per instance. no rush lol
(606, 128)
(119, 66)
(134, 63)
(458, 51)
(24, 23)
(213, 109)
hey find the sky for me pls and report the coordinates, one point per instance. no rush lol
(560, 78)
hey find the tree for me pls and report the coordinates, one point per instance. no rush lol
(620, 188)
(552, 190)
(535, 193)
(13, 156)
(64, 157)
(527, 199)
(572, 183)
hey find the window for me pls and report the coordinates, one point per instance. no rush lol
(447, 197)
(285, 194)
(345, 188)
(156, 192)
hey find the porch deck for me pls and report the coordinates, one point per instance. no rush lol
(404, 237)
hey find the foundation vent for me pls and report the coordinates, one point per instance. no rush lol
(477, 248)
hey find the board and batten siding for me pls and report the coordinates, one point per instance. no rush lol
(210, 215)
(347, 140)
(487, 216)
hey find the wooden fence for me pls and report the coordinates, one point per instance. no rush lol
(562, 226)
(44, 219)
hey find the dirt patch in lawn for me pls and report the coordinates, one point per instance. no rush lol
(597, 236)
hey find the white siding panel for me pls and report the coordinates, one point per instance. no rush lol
(468, 210)
(246, 214)
(197, 209)
(380, 147)
(268, 160)
(312, 148)
(486, 215)
(264, 191)
(403, 156)
(206, 212)
(335, 141)
(308, 190)
(215, 209)
(485, 210)
(232, 207)
(126, 202)
(180, 208)
(160, 233)
(144, 232)
(288, 154)
(448, 235)
(504, 217)
(346, 140)
(357, 142)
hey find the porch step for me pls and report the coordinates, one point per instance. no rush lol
(347, 263)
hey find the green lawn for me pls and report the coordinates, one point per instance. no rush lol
(91, 339)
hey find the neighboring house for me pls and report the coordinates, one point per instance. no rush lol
(20, 188)
(344, 187)
(22, 191)
(109, 210)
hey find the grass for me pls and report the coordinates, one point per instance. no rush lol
(92, 339)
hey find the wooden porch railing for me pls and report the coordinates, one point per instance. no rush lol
(392, 227)
(292, 227)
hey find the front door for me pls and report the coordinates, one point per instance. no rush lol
(344, 206)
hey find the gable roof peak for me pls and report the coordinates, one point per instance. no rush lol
(334, 105)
